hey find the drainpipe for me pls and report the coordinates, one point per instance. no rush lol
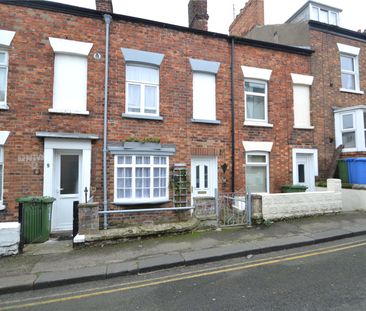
(107, 20)
(232, 117)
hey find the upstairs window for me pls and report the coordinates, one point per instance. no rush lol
(256, 101)
(70, 76)
(3, 77)
(1, 175)
(350, 79)
(142, 84)
(6, 37)
(204, 90)
(256, 96)
(301, 95)
(324, 16)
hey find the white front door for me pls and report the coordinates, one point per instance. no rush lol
(203, 176)
(67, 188)
(304, 171)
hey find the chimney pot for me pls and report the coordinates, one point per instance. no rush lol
(104, 5)
(197, 14)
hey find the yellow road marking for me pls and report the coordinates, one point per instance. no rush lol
(193, 275)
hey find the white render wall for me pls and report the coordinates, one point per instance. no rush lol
(354, 200)
(298, 204)
(9, 238)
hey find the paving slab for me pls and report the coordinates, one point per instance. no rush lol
(121, 268)
(160, 262)
(17, 283)
(330, 235)
(71, 276)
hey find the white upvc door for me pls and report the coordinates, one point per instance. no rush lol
(203, 176)
(67, 188)
(304, 171)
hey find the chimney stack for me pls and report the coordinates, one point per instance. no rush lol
(104, 5)
(197, 14)
(250, 16)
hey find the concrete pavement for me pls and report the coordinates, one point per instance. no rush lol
(57, 263)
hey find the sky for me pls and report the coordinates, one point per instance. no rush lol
(221, 11)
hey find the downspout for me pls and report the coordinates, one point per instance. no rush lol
(232, 117)
(107, 20)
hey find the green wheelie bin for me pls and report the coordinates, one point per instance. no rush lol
(36, 218)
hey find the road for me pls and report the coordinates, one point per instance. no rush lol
(329, 276)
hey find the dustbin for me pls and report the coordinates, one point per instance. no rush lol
(293, 188)
(357, 170)
(36, 218)
(343, 170)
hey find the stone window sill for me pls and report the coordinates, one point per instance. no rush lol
(258, 124)
(141, 117)
(304, 127)
(61, 111)
(4, 107)
(215, 122)
(351, 91)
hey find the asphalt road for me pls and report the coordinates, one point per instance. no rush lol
(329, 276)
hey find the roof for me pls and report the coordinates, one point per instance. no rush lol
(84, 12)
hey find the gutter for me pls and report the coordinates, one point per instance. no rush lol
(107, 20)
(232, 116)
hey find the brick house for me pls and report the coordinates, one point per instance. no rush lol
(338, 65)
(219, 104)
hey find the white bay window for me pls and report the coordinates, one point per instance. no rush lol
(141, 178)
(350, 128)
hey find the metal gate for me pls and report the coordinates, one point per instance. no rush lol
(230, 209)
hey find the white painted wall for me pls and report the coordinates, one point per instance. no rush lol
(354, 200)
(9, 238)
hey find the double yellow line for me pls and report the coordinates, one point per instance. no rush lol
(180, 277)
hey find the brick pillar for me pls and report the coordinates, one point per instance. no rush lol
(250, 16)
(197, 14)
(88, 218)
(104, 5)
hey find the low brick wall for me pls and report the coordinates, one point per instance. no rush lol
(146, 218)
(9, 238)
(289, 205)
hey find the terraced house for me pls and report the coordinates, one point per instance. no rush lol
(338, 64)
(122, 109)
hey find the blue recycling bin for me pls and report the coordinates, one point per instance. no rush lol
(357, 170)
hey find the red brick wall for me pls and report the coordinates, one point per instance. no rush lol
(250, 16)
(30, 91)
(325, 66)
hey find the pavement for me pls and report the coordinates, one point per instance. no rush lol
(55, 262)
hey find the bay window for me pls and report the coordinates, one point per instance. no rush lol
(350, 128)
(141, 178)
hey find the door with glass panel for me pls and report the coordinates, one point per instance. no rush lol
(304, 174)
(66, 189)
(203, 176)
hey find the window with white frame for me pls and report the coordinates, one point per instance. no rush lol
(257, 172)
(324, 16)
(3, 76)
(142, 89)
(349, 72)
(70, 76)
(350, 79)
(301, 95)
(204, 90)
(256, 100)
(1, 175)
(141, 178)
(350, 128)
